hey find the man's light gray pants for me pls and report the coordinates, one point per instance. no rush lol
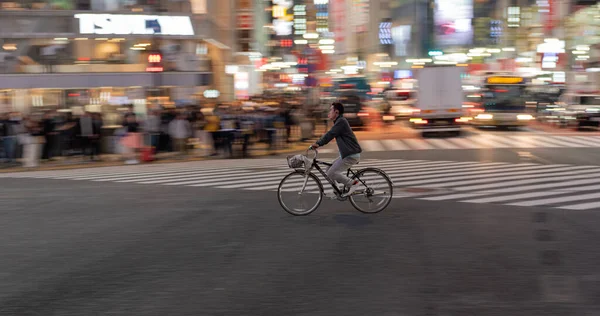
(337, 171)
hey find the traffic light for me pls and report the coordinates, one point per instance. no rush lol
(154, 63)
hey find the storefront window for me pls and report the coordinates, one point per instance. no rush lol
(84, 54)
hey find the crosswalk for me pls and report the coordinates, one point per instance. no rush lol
(569, 187)
(480, 141)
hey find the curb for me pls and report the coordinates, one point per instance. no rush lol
(89, 165)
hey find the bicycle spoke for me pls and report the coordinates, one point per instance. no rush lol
(377, 192)
(299, 194)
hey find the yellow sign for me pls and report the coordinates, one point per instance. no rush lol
(279, 11)
(504, 80)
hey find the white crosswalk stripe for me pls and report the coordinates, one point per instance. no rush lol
(440, 143)
(418, 144)
(480, 141)
(372, 145)
(394, 144)
(567, 187)
(464, 143)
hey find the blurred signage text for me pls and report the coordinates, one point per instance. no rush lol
(122, 24)
(504, 80)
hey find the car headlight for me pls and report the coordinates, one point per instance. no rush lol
(484, 116)
(524, 117)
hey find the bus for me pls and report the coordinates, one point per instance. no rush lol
(503, 102)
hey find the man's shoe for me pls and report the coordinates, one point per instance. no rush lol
(352, 189)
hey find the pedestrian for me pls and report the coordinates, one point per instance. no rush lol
(180, 131)
(33, 142)
(98, 124)
(152, 129)
(88, 134)
(213, 125)
(132, 140)
(201, 134)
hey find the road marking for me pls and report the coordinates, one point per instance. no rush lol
(394, 144)
(513, 184)
(491, 176)
(451, 196)
(574, 140)
(505, 141)
(391, 171)
(544, 142)
(559, 142)
(464, 143)
(372, 145)
(582, 206)
(418, 144)
(240, 175)
(484, 142)
(510, 197)
(440, 143)
(590, 140)
(524, 142)
(558, 200)
(152, 176)
(546, 186)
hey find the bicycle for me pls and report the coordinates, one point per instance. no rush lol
(368, 178)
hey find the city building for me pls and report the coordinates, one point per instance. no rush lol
(88, 54)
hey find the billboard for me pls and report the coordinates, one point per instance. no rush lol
(453, 25)
(401, 37)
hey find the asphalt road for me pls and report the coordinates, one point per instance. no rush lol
(109, 248)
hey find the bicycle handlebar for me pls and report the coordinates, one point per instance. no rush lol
(313, 149)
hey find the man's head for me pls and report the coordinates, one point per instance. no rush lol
(336, 110)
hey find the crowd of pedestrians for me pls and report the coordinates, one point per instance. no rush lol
(226, 131)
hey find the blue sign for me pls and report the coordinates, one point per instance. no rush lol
(154, 25)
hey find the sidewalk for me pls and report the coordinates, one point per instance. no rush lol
(80, 162)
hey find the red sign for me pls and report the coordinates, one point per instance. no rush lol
(245, 21)
(286, 43)
(154, 58)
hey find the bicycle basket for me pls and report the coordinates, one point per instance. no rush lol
(295, 161)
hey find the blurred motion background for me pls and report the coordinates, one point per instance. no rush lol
(245, 72)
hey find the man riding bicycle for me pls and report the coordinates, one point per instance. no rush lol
(347, 145)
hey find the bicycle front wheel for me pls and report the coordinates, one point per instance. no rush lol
(300, 194)
(375, 192)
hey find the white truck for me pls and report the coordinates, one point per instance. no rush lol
(439, 100)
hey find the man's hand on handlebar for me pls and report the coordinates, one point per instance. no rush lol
(314, 146)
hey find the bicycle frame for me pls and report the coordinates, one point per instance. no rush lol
(316, 164)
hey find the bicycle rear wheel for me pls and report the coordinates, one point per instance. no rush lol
(377, 194)
(299, 195)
